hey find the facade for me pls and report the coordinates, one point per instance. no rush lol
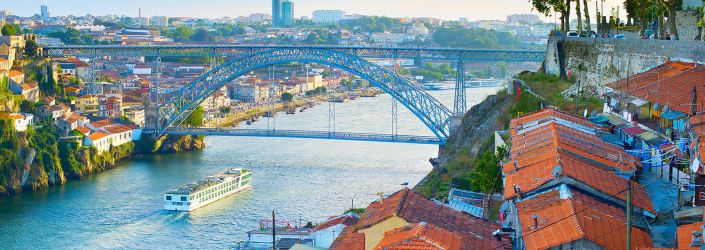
(287, 16)
(136, 115)
(21, 120)
(29, 91)
(249, 93)
(108, 134)
(328, 16)
(276, 13)
(88, 104)
(326, 232)
(44, 12)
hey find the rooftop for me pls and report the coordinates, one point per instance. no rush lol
(420, 236)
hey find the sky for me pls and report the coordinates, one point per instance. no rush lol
(444, 9)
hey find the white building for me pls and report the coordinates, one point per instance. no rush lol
(250, 93)
(325, 233)
(391, 38)
(22, 120)
(328, 16)
(107, 134)
(160, 21)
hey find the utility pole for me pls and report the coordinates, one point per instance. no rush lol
(629, 215)
(274, 231)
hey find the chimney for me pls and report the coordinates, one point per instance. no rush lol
(536, 220)
(697, 239)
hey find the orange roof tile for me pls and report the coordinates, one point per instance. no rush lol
(561, 221)
(83, 130)
(14, 73)
(98, 135)
(420, 236)
(670, 83)
(103, 123)
(349, 239)
(415, 208)
(345, 219)
(685, 235)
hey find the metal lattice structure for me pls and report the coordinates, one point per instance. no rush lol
(348, 136)
(174, 107)
(236, 51)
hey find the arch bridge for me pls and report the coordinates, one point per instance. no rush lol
(174, 107)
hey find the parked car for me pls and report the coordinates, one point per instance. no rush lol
(619, 36)
(572, 34)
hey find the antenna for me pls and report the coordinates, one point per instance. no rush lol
(557, 170)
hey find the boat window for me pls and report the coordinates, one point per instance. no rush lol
(183, 198)
(168, 197)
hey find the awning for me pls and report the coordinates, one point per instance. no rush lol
(634, 130)
(647, 135)
(614, 120)
(639, 102)
(671, 115)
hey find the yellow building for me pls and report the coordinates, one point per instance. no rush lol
(87, 104)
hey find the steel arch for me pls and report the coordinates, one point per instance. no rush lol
(174, 107)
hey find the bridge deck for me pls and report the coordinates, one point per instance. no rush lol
(349, 136)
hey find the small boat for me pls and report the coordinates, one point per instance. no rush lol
(304, 108)
(207, 190)
(249, 122)
(291, 111)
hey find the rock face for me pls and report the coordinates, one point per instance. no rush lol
(478, 125)
(686, 23)
(177, 144)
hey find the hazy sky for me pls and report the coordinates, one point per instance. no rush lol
(445, 9)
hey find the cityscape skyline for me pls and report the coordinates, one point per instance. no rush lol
(443, 9)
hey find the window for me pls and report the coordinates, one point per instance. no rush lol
(183, 198)
(168, 197)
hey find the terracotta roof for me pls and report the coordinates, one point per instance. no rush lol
(345, 219)
(72, 89)
(98, 135)
(102, 123)
(415, 208)
(349, 239)
(548, 114)
(420, 236)
(119, 128)
(685, 235)
(14, 73)
(670, 83)
(561, 221)
(29, 86)
(83, 130)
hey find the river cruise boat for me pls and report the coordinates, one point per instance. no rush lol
(207, 190)
(483, 83)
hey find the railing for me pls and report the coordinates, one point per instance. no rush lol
(349, 136)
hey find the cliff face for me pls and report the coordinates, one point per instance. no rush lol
(171, 144)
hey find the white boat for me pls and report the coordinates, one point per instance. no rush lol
(208, 190)
(483, 83)
(439, 85)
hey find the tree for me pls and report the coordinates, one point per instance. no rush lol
(587, 16)
(287, 97)
(31, 48)
(548, 7)
(225, 110)
(182, 34)
(8, 30)
(27, 107)
(202, 35)
(195, 119)
(579, 15)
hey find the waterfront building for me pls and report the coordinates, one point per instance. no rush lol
(263, 236)
(110, 135)
(328, 16)
(135, 114)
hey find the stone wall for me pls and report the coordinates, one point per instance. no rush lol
(686, 23)
(596, 62)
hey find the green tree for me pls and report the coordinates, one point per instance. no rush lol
(8, 30)
(182, 34)
(225, 110)
(287, 97)
(195, 119)
(202, 35)
(31, 48)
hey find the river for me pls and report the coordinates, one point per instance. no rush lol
(301, 179)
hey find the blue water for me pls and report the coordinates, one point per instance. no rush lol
(301, 179)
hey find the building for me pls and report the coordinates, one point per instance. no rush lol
(44, 12)
(287, 15)
(403, 217)
(276, 13)
(326, 232)
(249, 93)
(21, 121)
(328, 16)
(160, 21)
(53, 112)
(110, 106)
(529, 19)
(70, 122)
(88, 105)
(135, 114)
(107, 134)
